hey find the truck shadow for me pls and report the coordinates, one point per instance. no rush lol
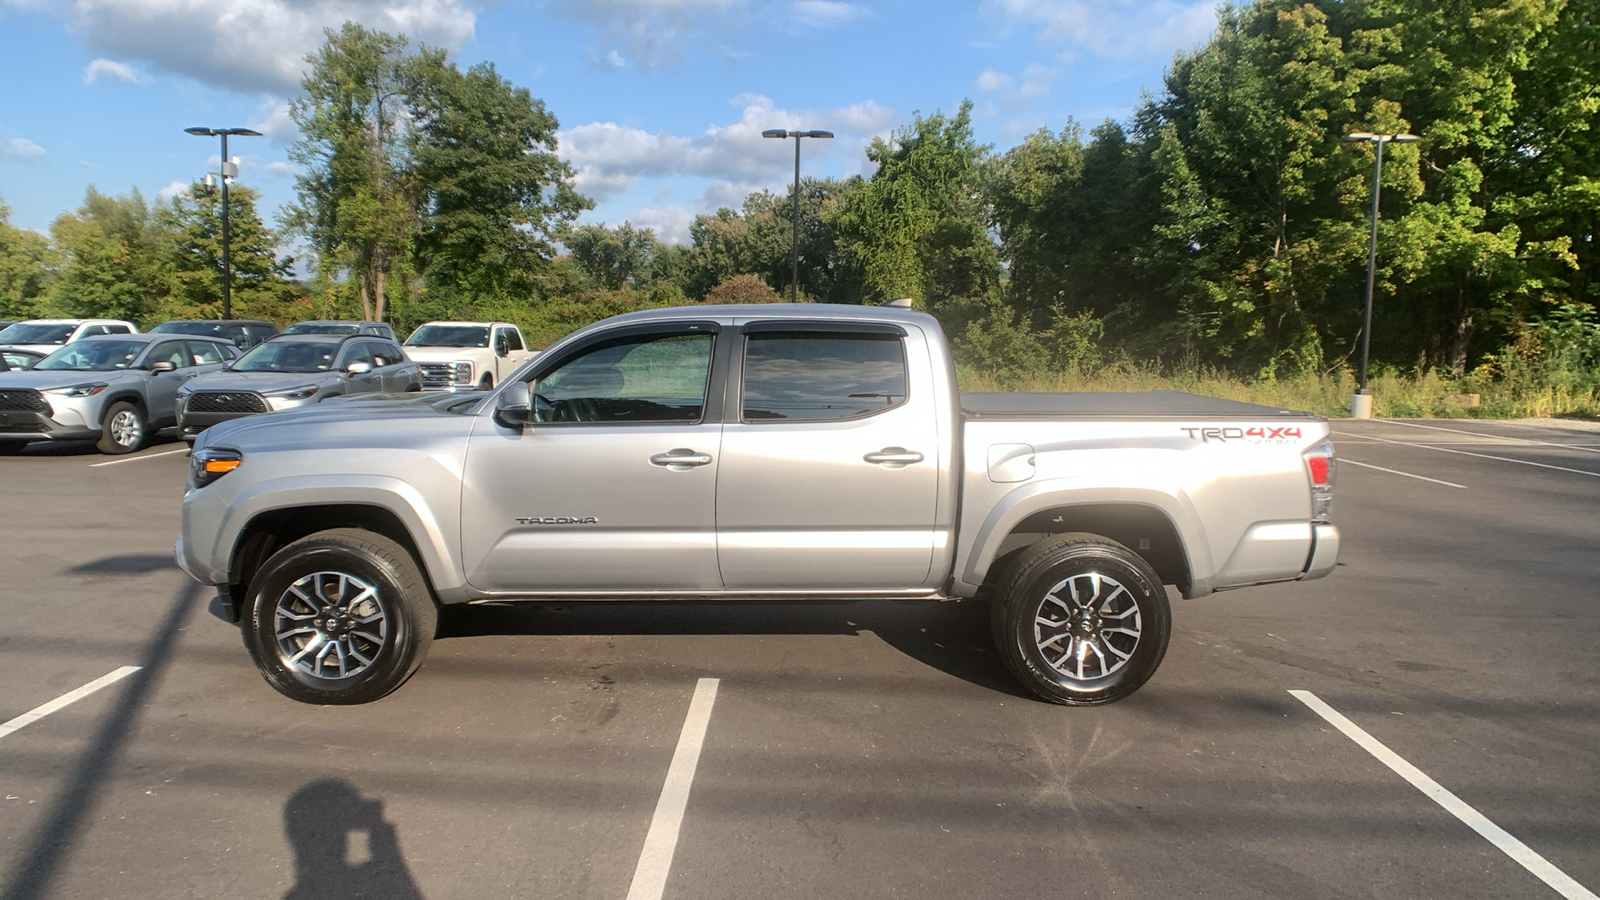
(951, 637)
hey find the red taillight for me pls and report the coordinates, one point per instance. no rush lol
(1319, 470)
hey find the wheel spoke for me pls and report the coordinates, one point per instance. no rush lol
(330, 625)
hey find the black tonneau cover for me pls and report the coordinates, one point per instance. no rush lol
(1113, 405)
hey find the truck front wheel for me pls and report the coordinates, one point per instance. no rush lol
(341, 616)
(1081, 620)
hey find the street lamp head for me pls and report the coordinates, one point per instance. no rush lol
(774, 133)
(202, 132)
(1405, 138)
(1359, 136)
(242, 132)
(816, 134)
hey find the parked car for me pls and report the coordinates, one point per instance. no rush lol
(48, 334)
(466, 356)
(294, 370)
(16, 359)
(118, 389)
(800, 453)
(329, 326)
(245, 332)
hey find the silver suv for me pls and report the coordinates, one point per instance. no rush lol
(294, 370)
(117, 389)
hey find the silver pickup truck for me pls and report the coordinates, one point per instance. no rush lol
(750, 452)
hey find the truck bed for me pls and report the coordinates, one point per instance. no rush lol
(1115, 405)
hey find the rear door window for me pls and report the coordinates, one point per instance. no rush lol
(799, 375)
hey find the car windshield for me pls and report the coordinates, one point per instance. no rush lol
(37, 333)
(449, 336)
(93, 356)
(322, 328)
(210, 328)
(288, 356)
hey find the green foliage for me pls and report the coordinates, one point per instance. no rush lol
(192, 228)
(26, 263)
(744, 289)
(112, 264)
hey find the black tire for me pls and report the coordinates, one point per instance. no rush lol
(486, 383)
(1095, 647)
(123, 429)
(11, 448)
(387, 634)
(413, 388)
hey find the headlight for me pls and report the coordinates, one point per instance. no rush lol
(461, 372)
(78, 390)
(206, 466)
(294, 393)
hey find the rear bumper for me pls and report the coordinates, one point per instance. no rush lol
(1324, 552)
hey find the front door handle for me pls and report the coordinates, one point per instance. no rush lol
(681, 459)
(894, 456)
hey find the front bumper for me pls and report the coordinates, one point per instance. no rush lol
(64, 424)
(1324, 552)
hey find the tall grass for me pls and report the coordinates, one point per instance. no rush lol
(1428, 395)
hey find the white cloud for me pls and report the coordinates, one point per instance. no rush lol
(279, 167)
(252, 45)
(271, 118)
(670, 223)
(653, 31)
(826, 13)
(609, 158)
(20, 150)
(1113, 28)
(108, 68)
(610, 61)
(173, 189)
(991, 80)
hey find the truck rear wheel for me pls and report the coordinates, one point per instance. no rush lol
(342, 616)
(1081, 620)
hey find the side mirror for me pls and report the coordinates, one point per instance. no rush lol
(358, 368)
(165, 365)
(514, 406)
(501, 346)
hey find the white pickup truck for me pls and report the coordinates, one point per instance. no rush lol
(794, 453)
(466, 356)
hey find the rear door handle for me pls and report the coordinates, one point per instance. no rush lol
(683, 457)
(894, 456)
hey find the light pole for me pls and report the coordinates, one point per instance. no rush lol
(227, 268)
(794, 282)
(1361, 403)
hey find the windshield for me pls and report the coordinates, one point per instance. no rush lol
(19, 359)
(211, 328)
(288, 356)
(322, 328)
(37, 333)
(449, 336)
(93, 356)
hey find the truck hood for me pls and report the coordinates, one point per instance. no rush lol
(367, 421)
(50, 380)
(445, 354)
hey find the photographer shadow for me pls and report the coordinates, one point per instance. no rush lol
(343, 847)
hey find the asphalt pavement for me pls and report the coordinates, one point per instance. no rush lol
(845, 749)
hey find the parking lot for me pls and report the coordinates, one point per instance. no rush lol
(833, 750)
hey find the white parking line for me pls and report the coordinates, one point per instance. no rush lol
(1351, 462)
(650, 876)
(137, 458)
(1521, 853)
(1498, 437)
(1520, 462)
(70, 697)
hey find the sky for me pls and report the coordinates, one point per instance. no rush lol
(661, 102)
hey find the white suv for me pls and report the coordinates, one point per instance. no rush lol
(46, 335)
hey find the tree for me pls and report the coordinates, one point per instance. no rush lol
(260, 279)
(614, 258)
(26, 263)
(358, 198)
(492, 193)
(113, 260)
(918, 227)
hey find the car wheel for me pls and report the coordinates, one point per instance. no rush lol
(342, 616)
(1081, 620)
(413, 388)
(487, 383)
(122, 429)
(11, 448)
